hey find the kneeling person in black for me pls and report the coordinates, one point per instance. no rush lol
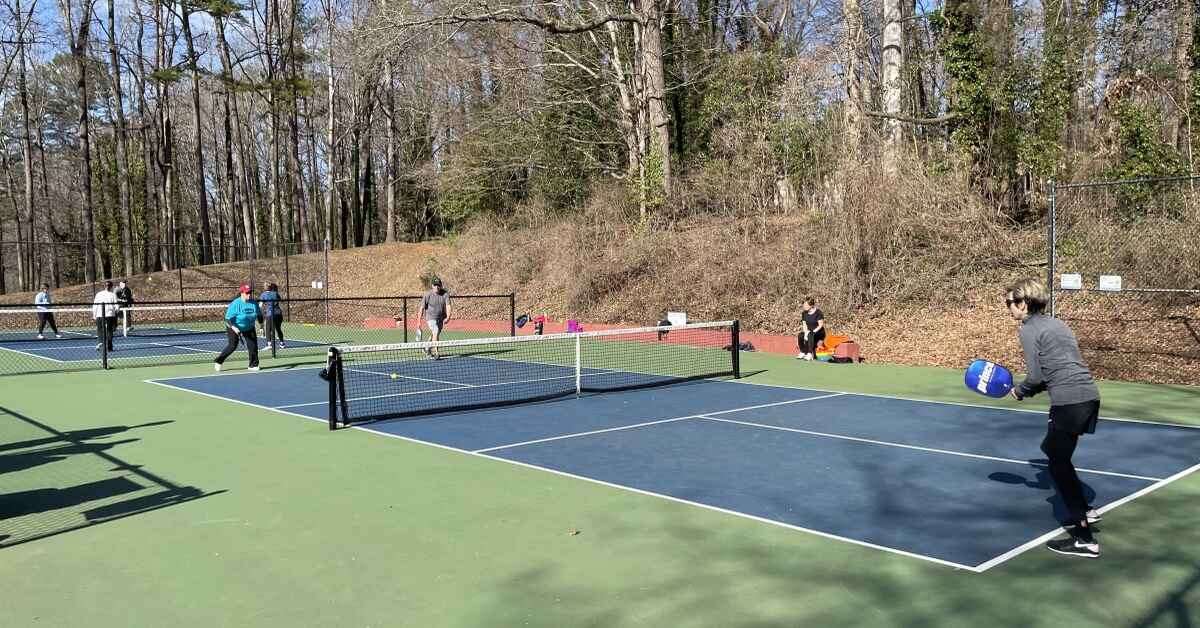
(813, 332)
(240, 319)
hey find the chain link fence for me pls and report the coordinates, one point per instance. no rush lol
(1124, 267)
(67, 337)
(162, 272)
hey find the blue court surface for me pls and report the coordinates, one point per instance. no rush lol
(960, 485)
(149, 342)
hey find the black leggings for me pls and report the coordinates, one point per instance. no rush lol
(1059, 446)
(809, 344)
(274, 327)
(46, 318)
(105, 328)
(233, 337)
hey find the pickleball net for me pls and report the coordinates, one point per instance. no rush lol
(375, 382)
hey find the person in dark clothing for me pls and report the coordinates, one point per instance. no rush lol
(812, 322)
(272, 315)
(240, 319)
(125, 299)
(1053, 364)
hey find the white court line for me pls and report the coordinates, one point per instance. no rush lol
(958, 403)
(42, 357)
(620, 487)
(1017, 551)
(975, 569)
(1024, 463)
(678, 418)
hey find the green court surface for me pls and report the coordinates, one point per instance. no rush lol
(124, 503)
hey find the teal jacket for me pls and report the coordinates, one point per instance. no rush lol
(242, 314)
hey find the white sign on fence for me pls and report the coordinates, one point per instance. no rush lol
(1110, 283)
(1071, 281)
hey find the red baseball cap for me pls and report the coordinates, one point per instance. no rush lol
(245, 289)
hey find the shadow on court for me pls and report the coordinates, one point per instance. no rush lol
(72, 480)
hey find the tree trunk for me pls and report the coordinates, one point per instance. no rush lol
(233, 163)
(390, 169)
(852, 49)
(122, 136)
(78, 41)
(1185, 26)
(893, 61)
(331, 158)
(169, 243)
(24, 274)
(656, 95)
(197, 119)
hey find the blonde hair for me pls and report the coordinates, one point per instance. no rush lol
(1032, 292)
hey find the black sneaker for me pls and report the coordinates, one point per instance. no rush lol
(1074, 547)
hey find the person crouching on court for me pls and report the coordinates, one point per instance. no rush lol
(1053, 364)
(240, 319)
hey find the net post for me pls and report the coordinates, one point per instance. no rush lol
(512, 314)
(735, 348)
(578, 364)
(331, 376)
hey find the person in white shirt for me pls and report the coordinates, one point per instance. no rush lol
(44, 313)
(105, 309)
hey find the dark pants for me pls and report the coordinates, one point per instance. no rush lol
(46, 318)
(274, 324)
(233, 338)
(1059, 446)
(808, 343)
(105, 328)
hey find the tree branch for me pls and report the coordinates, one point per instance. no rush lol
(504, 17)
(939, 120)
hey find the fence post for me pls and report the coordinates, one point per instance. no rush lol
(287, 281)
(1052, 249)
(512, 314)
(326, 280)
(179, 271)
(404, 308)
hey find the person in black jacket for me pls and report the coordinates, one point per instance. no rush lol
(125, 298)
(812, 322)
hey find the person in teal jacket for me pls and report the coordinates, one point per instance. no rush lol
(240, 319)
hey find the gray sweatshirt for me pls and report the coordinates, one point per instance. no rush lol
(1053, 362)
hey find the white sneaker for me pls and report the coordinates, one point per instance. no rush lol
(799, 356)
(217, 367)
(41, 337)
(58, 335)
(98, 345)
(1093, 516)
(252, 368)
(268, 347)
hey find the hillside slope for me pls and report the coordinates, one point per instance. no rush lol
(715, 269)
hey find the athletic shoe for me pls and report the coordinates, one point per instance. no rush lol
(41, 337)
(1072, 546)
(282, 345)
(58, 335)
(799, 356)
(99, 346)
(252, 368)
(217, 366)
(268, 346)
(1093, 516)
